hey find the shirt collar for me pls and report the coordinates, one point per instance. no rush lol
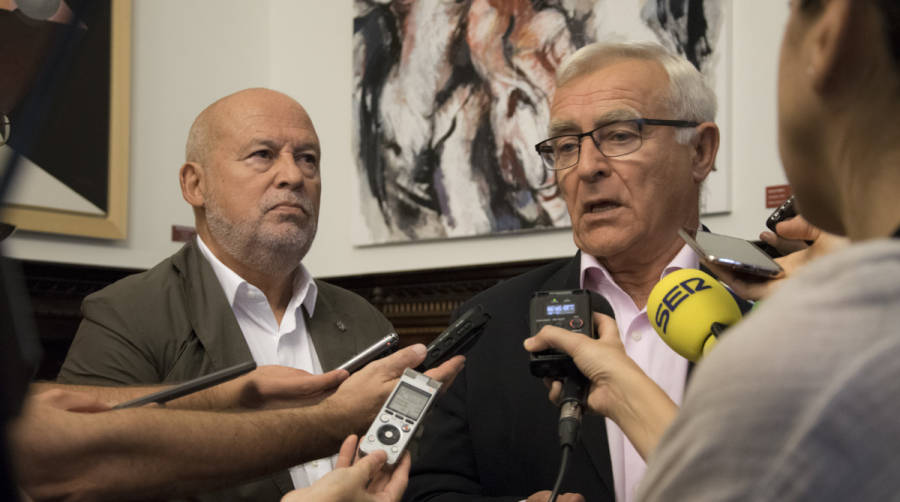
(304, 287)
(685, 258)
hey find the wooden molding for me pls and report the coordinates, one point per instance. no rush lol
(418, 303)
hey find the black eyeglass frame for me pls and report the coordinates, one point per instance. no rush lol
(641, 122)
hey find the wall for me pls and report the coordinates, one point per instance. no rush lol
(187, 53)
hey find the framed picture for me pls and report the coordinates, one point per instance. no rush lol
(74, 178)
(450, 98)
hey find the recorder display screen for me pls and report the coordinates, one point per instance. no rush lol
(560, 309)
(408, 401)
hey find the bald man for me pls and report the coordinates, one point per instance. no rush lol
(240, 290)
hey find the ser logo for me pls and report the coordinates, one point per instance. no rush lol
(674, 297)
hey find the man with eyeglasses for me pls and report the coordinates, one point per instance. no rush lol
(630, 140)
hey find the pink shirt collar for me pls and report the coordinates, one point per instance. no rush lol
(592, 270)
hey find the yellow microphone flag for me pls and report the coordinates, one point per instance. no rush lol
(683, 306)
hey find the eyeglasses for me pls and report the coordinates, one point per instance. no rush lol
(612, 140)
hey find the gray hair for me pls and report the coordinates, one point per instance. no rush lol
(690, 96)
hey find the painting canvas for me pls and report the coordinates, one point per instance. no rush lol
(450, 97)
(73, 177)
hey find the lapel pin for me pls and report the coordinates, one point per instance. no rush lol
(340, 325)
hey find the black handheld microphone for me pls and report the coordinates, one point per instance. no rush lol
(571, 310)
(574, 392)
(575, 385)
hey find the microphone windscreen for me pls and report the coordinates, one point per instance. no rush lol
(683, 306)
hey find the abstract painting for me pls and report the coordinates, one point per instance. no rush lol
(450, 97)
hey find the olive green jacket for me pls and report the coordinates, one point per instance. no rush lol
(173, 323)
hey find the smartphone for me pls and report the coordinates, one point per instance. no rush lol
(783, 212)
(732, 252)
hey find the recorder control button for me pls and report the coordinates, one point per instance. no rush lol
(371, 437)
(405, 428)
(388, 434)
(385, 417)
(394, 449)
(576, 323)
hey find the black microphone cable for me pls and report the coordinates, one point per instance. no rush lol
(563, 464)
(571, 409)
(574, 391)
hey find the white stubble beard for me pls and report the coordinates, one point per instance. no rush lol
(249, 243)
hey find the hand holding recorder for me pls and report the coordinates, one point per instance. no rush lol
(400, 417)
(357, 479)
(361, 396)
(619, 389)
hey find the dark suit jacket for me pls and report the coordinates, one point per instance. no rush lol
(494, 432)
(173, 323)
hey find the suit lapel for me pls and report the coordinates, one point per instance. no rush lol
(210, 315)
(334, 336)
(593, 427)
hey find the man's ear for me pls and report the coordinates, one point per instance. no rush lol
(704, 148)
(831, 42)
(193, 183)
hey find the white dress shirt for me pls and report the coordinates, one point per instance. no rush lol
(647, 349)
(287, 344)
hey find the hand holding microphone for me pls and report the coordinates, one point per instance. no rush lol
(618, 388)
(602, 360)
(688, 308)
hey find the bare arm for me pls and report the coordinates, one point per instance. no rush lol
(264, 387)
(157, 452)
(365, 480)
(149, 452)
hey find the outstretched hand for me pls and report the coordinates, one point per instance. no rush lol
(619, 388)
(792, 239)
(281, 386)
(360, 397)
(365, 480)
(603, 361)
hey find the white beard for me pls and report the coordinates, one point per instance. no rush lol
(250, 244)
